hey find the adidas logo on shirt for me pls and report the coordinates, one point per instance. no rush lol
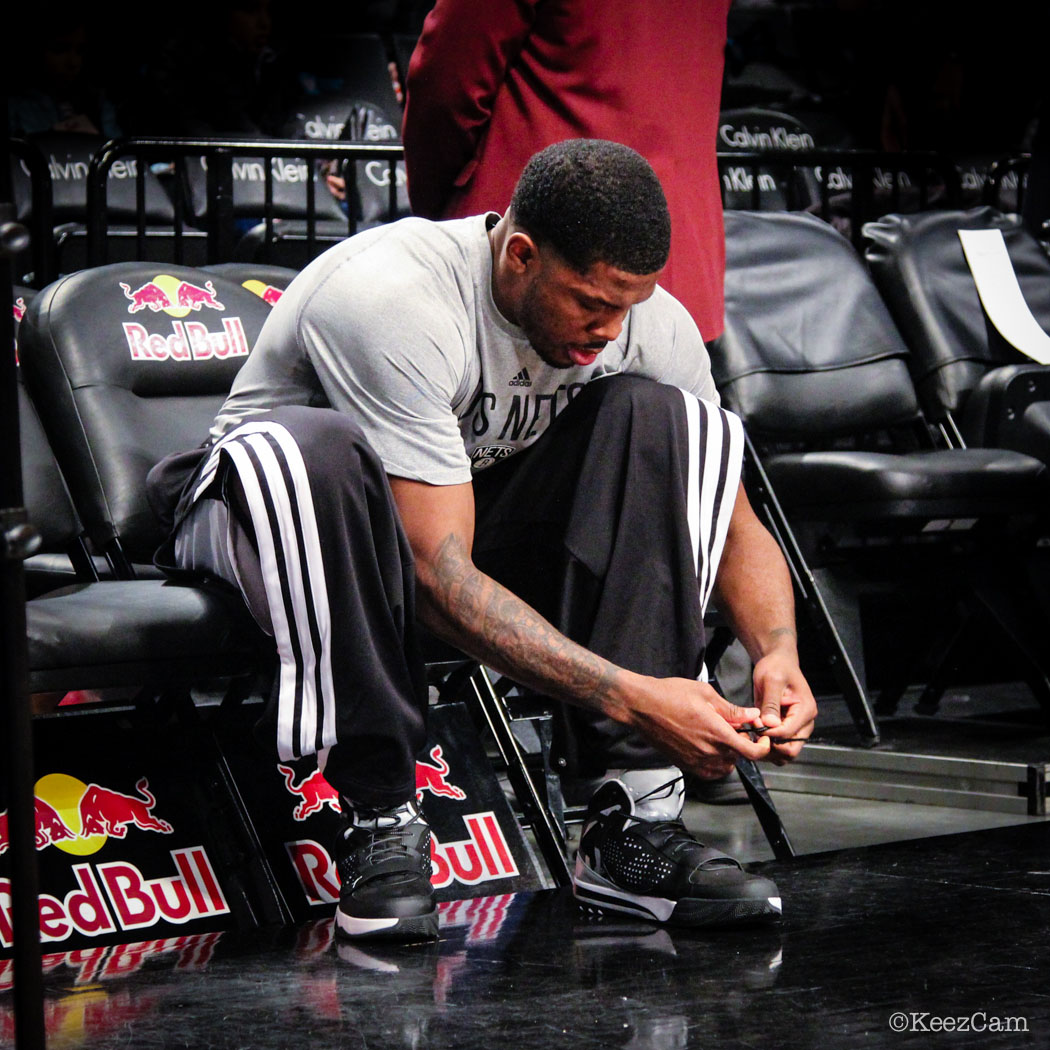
(521, 379)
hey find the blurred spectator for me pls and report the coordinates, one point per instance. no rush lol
(52, 76)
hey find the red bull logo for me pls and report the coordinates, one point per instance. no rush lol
(172, 295)
(19, 309)
(189, 341)
(267, 292)
(49, 827)
(115, 896)
(483, 856)
(433, 777)
(79, 819)
(106, 812)
(314, 792)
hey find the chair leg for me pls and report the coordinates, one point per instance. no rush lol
(545, 826)
(767, 814)
(1021, 620)
(243, 857)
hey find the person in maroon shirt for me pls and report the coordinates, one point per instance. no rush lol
(491, 84)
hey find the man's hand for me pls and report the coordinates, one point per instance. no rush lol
(694, 726)
(786, 704)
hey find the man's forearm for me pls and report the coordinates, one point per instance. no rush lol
(468, 608)
(754, 589)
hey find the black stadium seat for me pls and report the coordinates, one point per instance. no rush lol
(267, 282)
(68, 156)
(967, 374)
(62, 557)
(765, 188)
(842, 461)
(117, 383)
(126, 363)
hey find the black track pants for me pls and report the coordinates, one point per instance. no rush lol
(304, 524)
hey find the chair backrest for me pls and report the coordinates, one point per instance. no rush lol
(127, 363)
(354, 65)
(290, 201)
(267, 282)
(68, 155)
(810, 351)
(766, 131)
(349, 118)
(921, 270)
(44, 492)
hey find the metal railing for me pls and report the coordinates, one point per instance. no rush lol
(1000, 171)
(40, 220)
(219, 157)
(844, 187)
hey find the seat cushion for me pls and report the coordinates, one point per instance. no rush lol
(950, 483)
(137, 631)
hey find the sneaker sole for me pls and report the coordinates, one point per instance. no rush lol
(592, 890)
(405, 928)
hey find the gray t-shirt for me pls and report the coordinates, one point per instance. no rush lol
(397, 327)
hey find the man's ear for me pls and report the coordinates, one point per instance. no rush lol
(521, 251)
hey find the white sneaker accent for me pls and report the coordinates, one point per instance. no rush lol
(656, 794)
(358, 927)
(589, 886)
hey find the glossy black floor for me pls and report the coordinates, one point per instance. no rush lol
(887, 946)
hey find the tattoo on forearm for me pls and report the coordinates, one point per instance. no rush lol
(497, 626)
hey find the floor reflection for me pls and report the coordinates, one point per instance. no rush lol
(947, 926)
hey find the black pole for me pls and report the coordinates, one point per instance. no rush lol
(17, 541)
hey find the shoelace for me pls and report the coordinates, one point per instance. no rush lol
(383, 846)
(679, 838)
(667, 787)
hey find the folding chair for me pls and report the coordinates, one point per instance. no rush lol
(140, 213)
(764, 188)
(841, 461)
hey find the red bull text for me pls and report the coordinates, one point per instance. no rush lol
(118, 896)
(189, 341)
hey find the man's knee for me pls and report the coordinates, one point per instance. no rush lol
(627, 394)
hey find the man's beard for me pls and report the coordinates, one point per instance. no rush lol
(530, 320)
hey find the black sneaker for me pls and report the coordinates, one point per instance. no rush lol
(657, 870)
(384, 874)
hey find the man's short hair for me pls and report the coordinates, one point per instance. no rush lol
(595, 201)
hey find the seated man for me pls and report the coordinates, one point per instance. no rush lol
(503, 426)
